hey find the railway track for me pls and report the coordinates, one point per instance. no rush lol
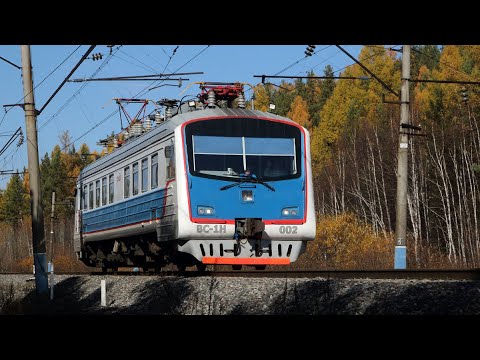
(459, 274)
(416, 274)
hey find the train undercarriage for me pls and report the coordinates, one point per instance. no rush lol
(146, 253)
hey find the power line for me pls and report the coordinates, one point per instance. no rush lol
(170, 58)
(131, 63)
(136, 77)
(11, 63)
(313, 77)
(45, 78)
(442, 62)
(131, 57)
(181, 67)
(367, 58)
(323, 61)
(141, 93)
(51, 72)
(4, 115)
(10, 155)
(102, 65)
(447, 82)
(90, 49)
(303, 58)
(369, 71)
(153, 57)
(10, 141)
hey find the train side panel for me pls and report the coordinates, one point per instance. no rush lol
(150, 211)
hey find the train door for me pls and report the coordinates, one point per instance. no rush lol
(80, 203)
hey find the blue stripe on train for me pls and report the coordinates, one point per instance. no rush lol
(135, 209)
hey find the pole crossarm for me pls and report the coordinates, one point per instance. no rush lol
(311, 77)
(446, 82)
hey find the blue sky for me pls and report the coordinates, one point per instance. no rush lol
(82, 112)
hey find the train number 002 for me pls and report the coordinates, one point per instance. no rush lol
(288, 229)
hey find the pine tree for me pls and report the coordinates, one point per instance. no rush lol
(283, 98)
(15, 201)
(312, 95)
(326, 86)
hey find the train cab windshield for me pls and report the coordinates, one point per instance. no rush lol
(233, 148)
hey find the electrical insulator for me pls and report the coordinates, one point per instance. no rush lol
(241, 101)
(310, 50)
(97, 56)
(168, 112)
(20, 139)
(158, 118)
(464, 94)
(211, 99)
(148, 124)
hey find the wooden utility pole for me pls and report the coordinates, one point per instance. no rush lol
(402, 167)
(38, 233)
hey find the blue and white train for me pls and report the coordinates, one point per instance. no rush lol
(212, 183)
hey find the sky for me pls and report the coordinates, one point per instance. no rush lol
(83, 108)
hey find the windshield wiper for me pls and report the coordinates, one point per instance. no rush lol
(251, 180)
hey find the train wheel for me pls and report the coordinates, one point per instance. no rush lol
(181, 267)
(237, 267)
(260, 267)
(201, 267)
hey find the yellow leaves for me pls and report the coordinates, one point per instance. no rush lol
(354, 102)
(441, 104)
(344, 242)
(299, 112)
(26, 182)
(262, 98)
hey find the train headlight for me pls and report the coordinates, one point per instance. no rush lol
(205, 210)
(247, 195)
(290, 211)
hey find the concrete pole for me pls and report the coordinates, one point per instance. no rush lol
(402, 167)
(52, 217)
(38, 235)
(52, 282)
(103, 293)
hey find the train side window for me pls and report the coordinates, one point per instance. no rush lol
(135, 179)
(84, 197)
(111, 188)
(90, 196)
(97, 193)
(104, 190)
(126, 182)
(170, 161)
(145, 175)
(154, 171)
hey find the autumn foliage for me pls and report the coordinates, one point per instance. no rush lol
(354, 143)
(344, 242)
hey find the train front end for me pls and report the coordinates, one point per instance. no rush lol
(245, 196)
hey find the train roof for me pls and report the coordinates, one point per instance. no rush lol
(166, 129)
